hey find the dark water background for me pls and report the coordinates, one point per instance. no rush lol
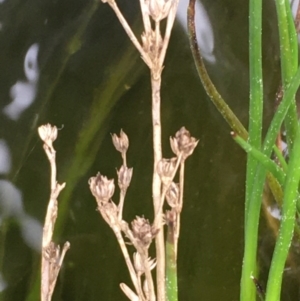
(99, 89)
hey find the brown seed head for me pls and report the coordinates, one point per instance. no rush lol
(102, 188)
(124, 177)
(110, 209)
(159, 9)
(166, 169)
(142, 231)
(121, 143)
(183, 143)
(172, 195)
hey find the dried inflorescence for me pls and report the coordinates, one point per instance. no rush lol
(143, 231)
(172, 195)
(183, 144)
(102, 188)
(121, 142)
(124, 177)
(48, 133)
(166, 168)
(159, 9)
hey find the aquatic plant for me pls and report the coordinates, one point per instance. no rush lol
(283, 178)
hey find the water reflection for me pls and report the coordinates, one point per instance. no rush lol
(11, 205)
(205, 35)
(23, 92)
(5, 158)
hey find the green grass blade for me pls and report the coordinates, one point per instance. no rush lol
(287, 224)
(256, 90)
(289, 61)
(269, 164)
(249, 265)
(252, 205)
(280, 158)
(280, 114)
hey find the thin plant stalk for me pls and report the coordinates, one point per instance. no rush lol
(52, 258)
(214, 95)
(254, 206)
(208, 85)
(156, 187)
(251, 236)
(249, 269)
(256, 91)
(181, 189)
(171, 253)
(173, 229)
(287, 224)
(248, 290)
(289, 61)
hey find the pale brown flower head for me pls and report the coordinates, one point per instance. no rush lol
(102, 188)
(142, 231)
(166, 169)
(110, 209)
(48, 133)
(124, 177)
(183, 143)
(172, 195)
(121, 143)
(159, 9)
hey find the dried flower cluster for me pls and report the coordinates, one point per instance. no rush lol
(48, 133)
(141, 233)
(183, 144)
(154, 44)
(102, 189)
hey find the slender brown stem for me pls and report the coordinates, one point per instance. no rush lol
(130, 33)
(156, 187)
(181, 187)
(52, 258)
(149, 278)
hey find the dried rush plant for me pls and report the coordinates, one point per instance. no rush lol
(141, 233)
(52, 258)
